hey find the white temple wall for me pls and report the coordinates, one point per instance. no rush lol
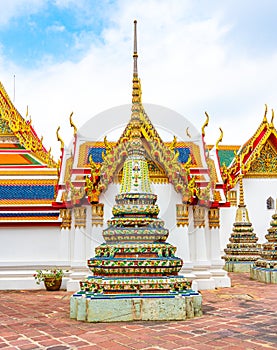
(26, 249)
(30, 244)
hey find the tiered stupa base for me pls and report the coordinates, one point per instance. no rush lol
(91, 307)
(265, 268)
(243, 250)
(266, 275)
(238, 266)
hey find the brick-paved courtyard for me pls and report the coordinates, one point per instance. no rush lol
(241, 317)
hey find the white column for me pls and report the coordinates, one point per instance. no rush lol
(78, 262)
(219, 275)
(201, 263)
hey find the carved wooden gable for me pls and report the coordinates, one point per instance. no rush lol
(265, 162)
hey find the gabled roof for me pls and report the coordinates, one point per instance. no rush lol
(258, 156)
(18, 132)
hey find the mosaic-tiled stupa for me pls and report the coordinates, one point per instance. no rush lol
(135, 273)
(243, 250)
(265, 268)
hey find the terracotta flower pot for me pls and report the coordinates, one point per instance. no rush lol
(52, 283)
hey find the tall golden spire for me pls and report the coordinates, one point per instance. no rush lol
(242, 212)
(136, 82)
(241, 193)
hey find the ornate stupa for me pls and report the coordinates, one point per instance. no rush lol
(135, 273)
(265, 268)
(243, 250)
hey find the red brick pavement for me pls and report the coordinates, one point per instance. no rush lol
(241, 317)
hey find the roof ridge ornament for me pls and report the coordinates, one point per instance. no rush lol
(219, 139)
(59, 138)
(72, 124)
(205, 124)
(265, 113)
(272, 118)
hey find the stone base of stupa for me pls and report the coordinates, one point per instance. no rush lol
(91, 307)
(266, 275)
(238, 266)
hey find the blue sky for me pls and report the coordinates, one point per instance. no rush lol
(194, 55)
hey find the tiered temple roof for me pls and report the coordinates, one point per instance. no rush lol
(258, 156)
(28, 173)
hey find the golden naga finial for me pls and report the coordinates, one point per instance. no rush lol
(107, 145)
(59, 138)
(187, 132)
(265, 113)
(72, 124)
(173, 143)
(219, 139)
(205, 124)
(272, 118)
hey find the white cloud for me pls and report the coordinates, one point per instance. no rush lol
(56, 28)
(185, 63)
(18, 8)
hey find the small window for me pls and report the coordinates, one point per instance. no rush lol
(270, 203)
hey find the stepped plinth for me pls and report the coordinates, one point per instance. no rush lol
(265, 268)
(243, 250)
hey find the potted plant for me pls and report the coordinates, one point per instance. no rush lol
(52, 278)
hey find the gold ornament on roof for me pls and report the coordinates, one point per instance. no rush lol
(187, 132)
(265, 113)
(205, 124)
(173, 144)
(219, 139)
(59, 138)
(272, 118)
(72, 123)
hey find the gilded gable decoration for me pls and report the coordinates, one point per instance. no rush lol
(265, 162)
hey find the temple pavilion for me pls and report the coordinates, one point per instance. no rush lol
(53, 213)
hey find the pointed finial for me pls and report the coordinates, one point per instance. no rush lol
(205, 124)
(135, 54)
(272, 118)
(187, 132)
(59, 138)
(219, 139)
(265, 113)
(136, 94)
(72, 124)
